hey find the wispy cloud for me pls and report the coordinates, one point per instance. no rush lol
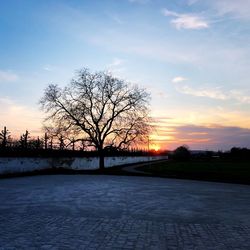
(215, 93)
(213, 136)
(186, 21)
(139, 1)
(190, 2)
(117, 19)
(239, 8)
(8, 76)
(206, 136)
(116, 62)
(49, 67)
(178, 79)
(116, 66)
(18, 117)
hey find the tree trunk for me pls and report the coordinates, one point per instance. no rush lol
(101, 159)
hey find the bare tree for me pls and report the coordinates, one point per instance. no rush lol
(61, 137)
(46, 141)
(4, 137)
(24, 140)
(103, 109)
(35, 143)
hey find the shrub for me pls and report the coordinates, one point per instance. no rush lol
(182, 153)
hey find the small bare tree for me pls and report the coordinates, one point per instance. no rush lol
(24, 140)
(46, 140)
(4, 137)
(105, 110)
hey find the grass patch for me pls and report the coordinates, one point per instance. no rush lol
(214, 170)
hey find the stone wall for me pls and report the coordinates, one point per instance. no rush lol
(26, 164)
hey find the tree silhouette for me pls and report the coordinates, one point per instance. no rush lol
(24, 140)
(46, 141)
(4, 137)
(102, 109)
(182, 153)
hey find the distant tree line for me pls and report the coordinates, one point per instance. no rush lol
(24, 142)
(55, 143)
(236, 154)
(52, 140)
(183, 153)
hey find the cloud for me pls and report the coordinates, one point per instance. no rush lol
(213, 136)
(49, 68)
(139, 1)
(17, 117)
(158, 51)
(240, 96)
(189, 22)
(239, 8)
(186, 21)
(116, 62)
(117, 19)
(116, 66)
(191, 2)
(178, 79)
(216, 93)
(8, 76)
(235, 8)
(207, 136)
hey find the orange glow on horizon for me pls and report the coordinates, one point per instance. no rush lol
(156, 148)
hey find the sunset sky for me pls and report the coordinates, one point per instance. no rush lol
(193, 56)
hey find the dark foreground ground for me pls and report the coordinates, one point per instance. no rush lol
(208, 170)
(122, 212)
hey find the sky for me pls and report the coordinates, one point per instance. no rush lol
(193, 56)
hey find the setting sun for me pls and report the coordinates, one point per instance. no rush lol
(155, 147)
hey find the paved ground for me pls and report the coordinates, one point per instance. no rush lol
(120, 212)
(133, 168)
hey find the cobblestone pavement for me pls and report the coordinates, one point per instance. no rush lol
(120, 212)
